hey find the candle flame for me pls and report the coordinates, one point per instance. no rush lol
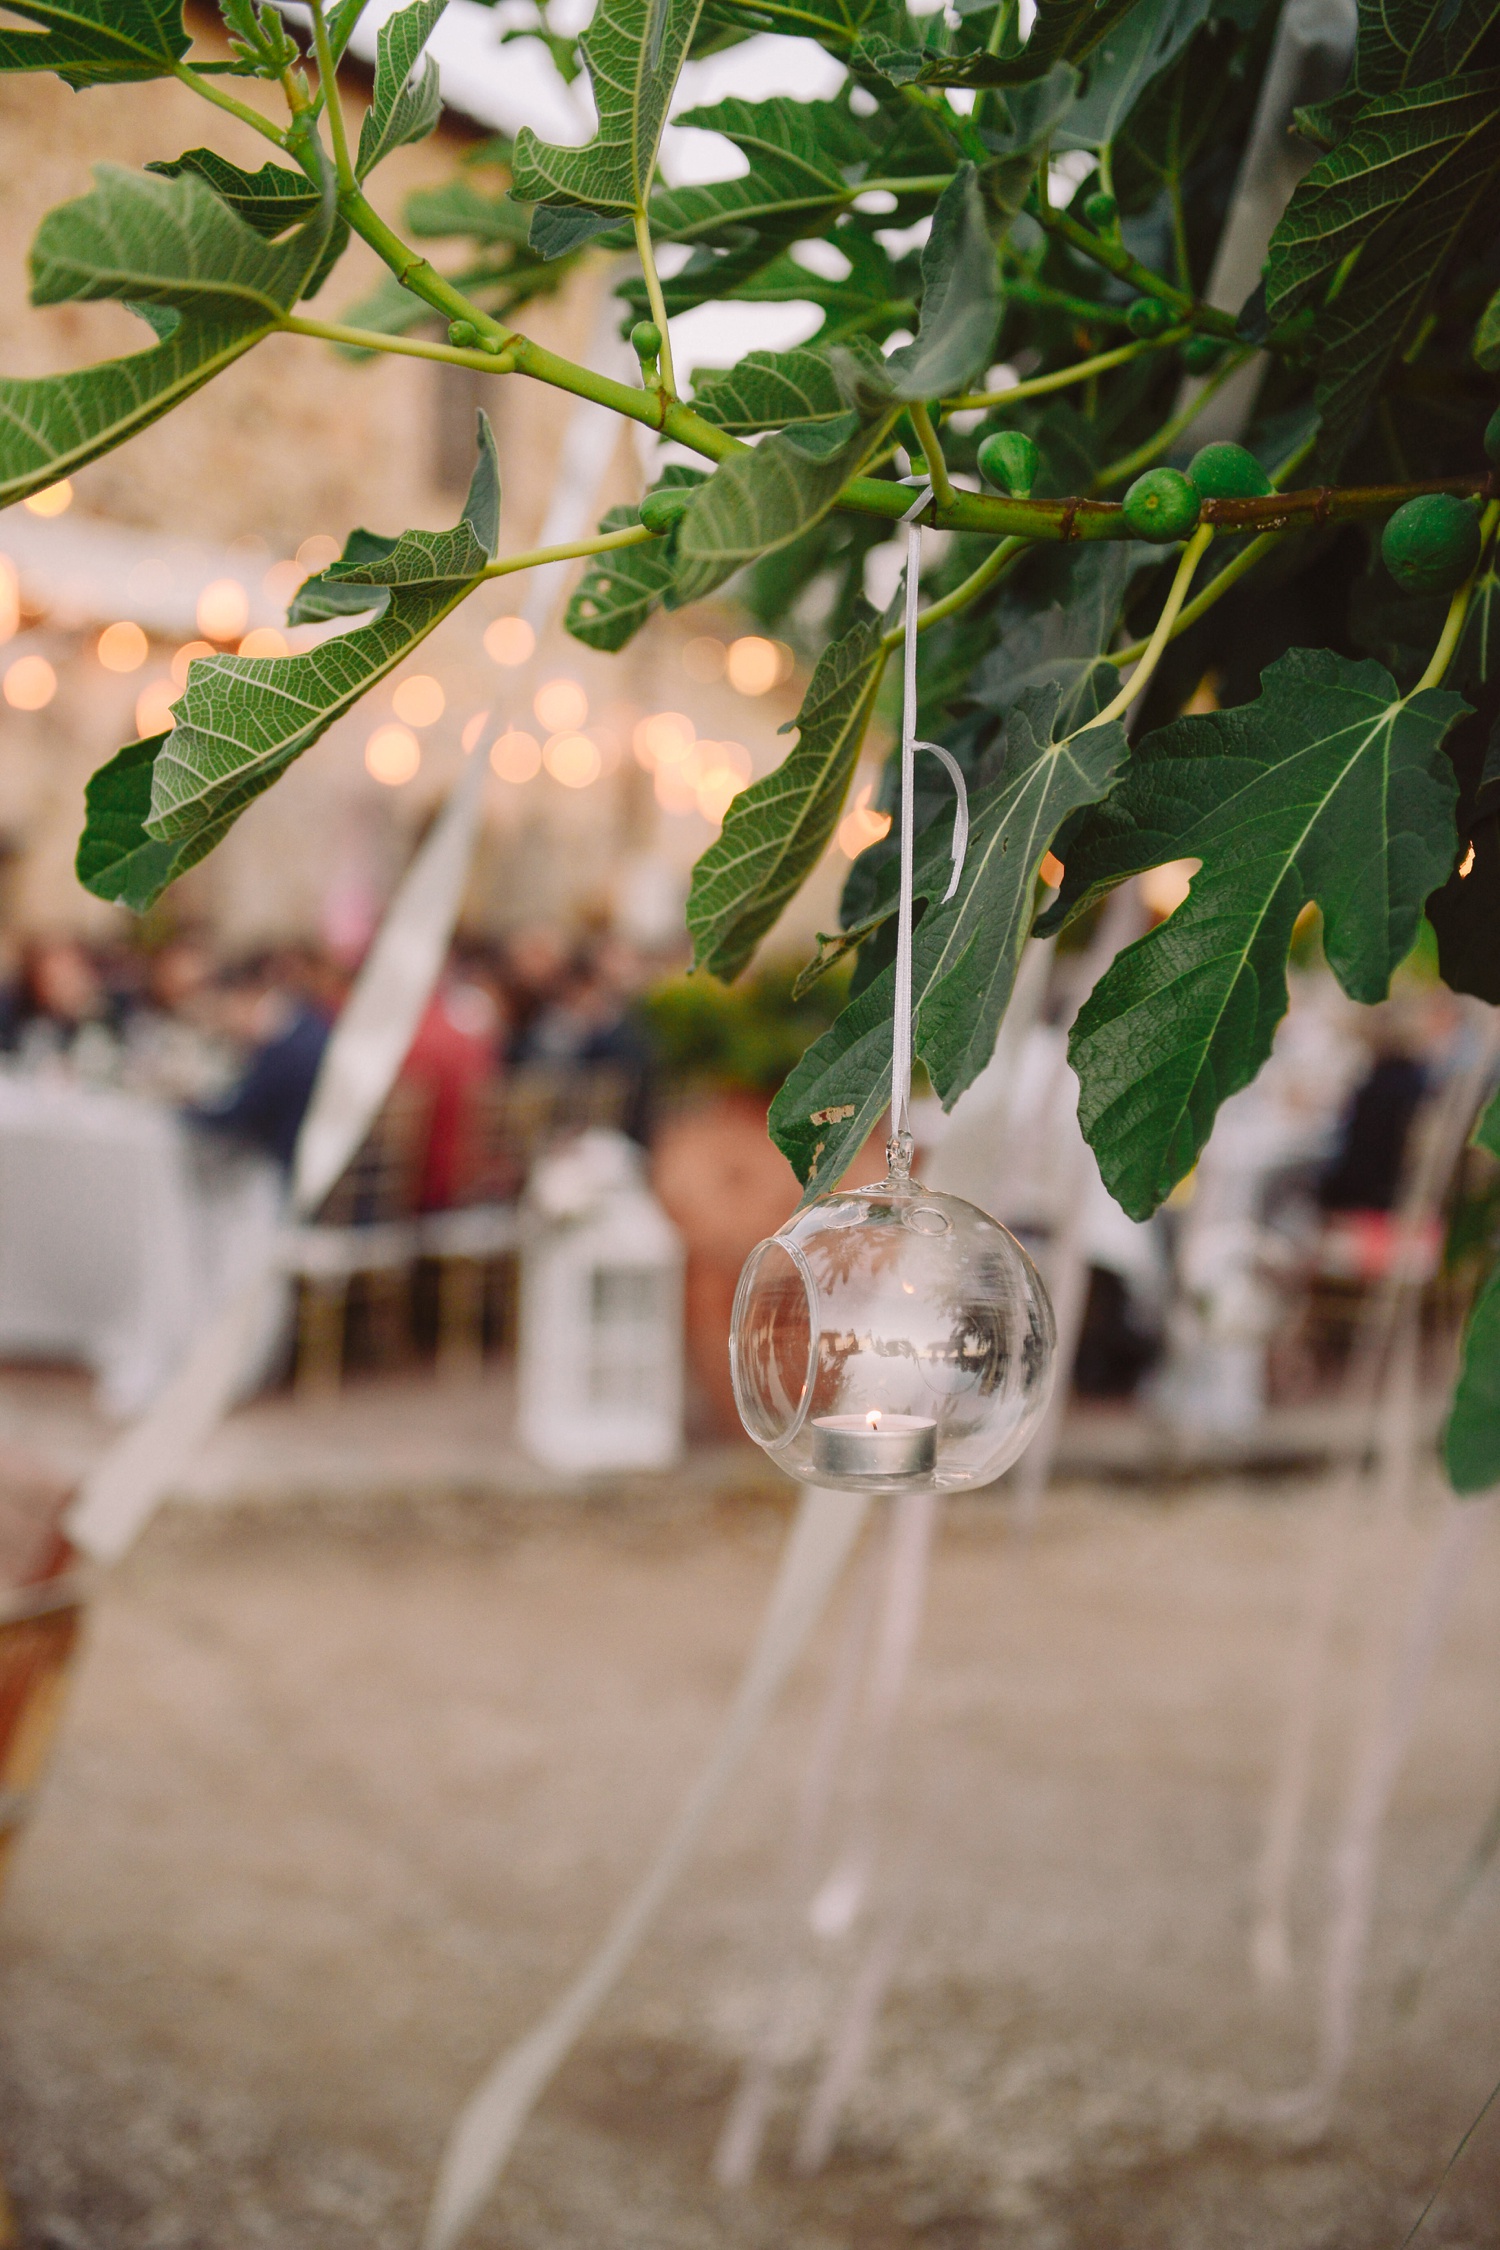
(873, 1418)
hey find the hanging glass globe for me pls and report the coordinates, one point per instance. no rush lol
(888, 1336)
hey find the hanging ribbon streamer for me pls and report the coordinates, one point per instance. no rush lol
(910, 745)
(827, 1526)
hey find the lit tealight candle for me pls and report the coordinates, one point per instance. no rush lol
(875, 1444)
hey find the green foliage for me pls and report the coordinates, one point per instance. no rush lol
(1378, 315)
(776, 831)
(770, 389)
(799, 154)
(747, 1035)
(966, 952)
(214, 285)
(1330, 787)
(96, 42)
(1471, 1443)
(764, 499)
(1377, 221)
(633, 50)
(620, 590)
(405, 102)
(258, 39)
(241, 721)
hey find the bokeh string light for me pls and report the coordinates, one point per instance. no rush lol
(393, 756)
(30, 684)
(419, 700)
(122, 647)
(572, 759)
(509, 641)
(153, 707)
(223, 610)
(52, 500)
(561, 705)
(516, 755)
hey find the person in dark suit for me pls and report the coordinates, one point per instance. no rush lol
(284, 1034)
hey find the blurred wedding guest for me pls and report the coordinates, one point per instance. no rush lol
(534, 963)
(174, 1050)
(458, 1047)
(592, 1022)
(282, 1036)
(59, 996)
(1365, 1174)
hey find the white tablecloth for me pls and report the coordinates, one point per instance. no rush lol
(120, 1230)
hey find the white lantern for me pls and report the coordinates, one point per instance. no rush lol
(601, 1313)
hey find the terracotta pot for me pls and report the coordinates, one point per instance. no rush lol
(726, 1186)
(41, 1608)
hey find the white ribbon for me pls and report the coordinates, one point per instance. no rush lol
(369, 1044)
(827, 1525)
(910, 745)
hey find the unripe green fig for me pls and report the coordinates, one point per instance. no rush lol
(662, 511)
(1161, 505)
(1148, 316)
(462, 334)
(1202, 354)
(1492, 438)
(1430, 545)
(1227, 472)
(645, 341)
(1009, 461)
(1101, 212)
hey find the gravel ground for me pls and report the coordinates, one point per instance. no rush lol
(345, 1793)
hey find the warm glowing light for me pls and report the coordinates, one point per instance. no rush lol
(516, 755)
(716, 793)
(1466, 864)
(873, 1417)
(30, 684)
(1163, 889)
(561, 705)
(10, 599)
(732, 757)
(674, 793)
(572, 759)
(703, 659)
(419, 700)
(509, 641)
(754, 665)
(189, 653)
(52, 500)
(473, 729)
(316, 554)
(263, 640)
(153, 707)
(1051, 870)
(123, 647)
(663, 739)
(392, 755)
(862, 825)
(281, 582)
(223, 610)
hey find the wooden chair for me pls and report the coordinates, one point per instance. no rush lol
(365, 1233)
(509, 1122)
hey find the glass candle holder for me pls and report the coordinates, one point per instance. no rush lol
(888, 1337)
